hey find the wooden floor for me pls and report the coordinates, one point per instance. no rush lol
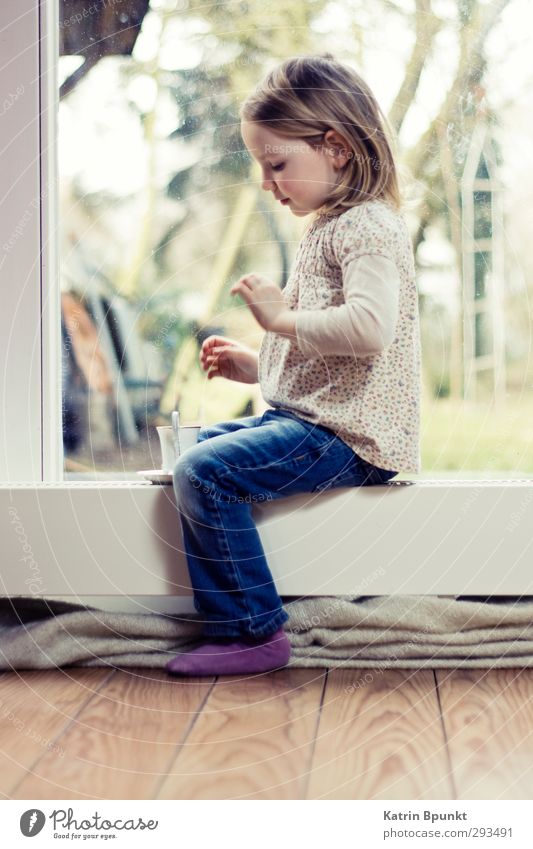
(292, 734)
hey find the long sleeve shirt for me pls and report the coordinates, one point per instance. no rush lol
(354, 363)
(365, 323)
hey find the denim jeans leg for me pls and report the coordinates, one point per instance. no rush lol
(218, 594)
(232, 584)
(218, 481)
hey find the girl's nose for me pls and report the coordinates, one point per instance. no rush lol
(267, 184)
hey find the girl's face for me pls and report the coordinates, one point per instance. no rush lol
(292, 169)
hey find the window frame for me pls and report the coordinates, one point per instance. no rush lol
(30, 324)
(457, 531)
(30, 381)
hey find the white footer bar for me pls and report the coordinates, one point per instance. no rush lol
(242, 823)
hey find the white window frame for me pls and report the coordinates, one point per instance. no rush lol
(30, 382)
(436, 537)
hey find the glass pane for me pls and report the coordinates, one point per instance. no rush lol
(482, 215)
(482, 172)
(157, 223)
(482, 265)
(153, 183)
(483, 334)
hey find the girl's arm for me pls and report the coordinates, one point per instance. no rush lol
(223, 357)
(365, 324)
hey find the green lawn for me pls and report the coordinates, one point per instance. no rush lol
(467, 440)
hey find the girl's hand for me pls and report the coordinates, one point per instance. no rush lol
(266, 303)
(223, 357)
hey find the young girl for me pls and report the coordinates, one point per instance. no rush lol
(339, 361)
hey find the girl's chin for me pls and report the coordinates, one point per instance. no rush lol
(301, 211)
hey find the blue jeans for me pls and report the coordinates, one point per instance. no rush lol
(233, 466)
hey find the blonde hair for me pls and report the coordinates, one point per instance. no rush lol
(305, 96)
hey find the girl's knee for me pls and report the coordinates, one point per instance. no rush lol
(182, 474)
(196, 467)
(213, 430)
(205, 433)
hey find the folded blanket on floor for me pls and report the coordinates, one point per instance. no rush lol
(328, 631)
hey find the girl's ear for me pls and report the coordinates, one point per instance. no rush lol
(337, 147)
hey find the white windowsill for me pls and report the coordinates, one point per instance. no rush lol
(115, 538)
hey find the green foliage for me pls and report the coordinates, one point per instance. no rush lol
(166, 332)
(463, 438)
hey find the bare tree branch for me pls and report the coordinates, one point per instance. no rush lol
(427, 25)
(473, 38)
(95, 31)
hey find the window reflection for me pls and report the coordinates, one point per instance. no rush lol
(160, 211)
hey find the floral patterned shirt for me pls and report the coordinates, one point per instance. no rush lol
(354, 363)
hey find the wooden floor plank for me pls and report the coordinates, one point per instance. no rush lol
(35, 707)
(253, 739)
(122, 744)
(380, 737)
(488, 718)
(368, 734)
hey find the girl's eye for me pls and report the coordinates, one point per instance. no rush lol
(278, 167)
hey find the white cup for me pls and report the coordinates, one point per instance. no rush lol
(188, 435)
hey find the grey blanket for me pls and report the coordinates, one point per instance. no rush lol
(328, 631)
